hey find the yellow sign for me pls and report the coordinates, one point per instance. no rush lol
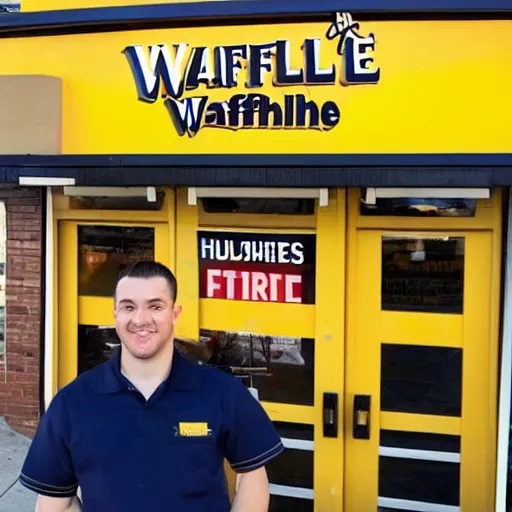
(54, 5)
(193, 429)
(444, 87)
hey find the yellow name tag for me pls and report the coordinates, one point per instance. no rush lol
(193, 429)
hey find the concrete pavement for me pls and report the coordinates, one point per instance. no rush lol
(13, 448)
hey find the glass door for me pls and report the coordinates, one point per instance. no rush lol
(421, 363)
(271, 302)
(90, 256)
(258, 317)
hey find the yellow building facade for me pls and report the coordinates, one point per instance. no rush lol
(330, 189)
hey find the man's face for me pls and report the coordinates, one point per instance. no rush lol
(145, 315)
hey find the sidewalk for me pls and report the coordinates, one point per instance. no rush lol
(13, 447)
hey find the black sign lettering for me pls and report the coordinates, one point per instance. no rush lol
(172, 70)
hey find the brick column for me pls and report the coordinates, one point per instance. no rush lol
(19, 385)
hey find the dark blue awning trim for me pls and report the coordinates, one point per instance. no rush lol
(440, 170)
(263, 160)
(239, 11)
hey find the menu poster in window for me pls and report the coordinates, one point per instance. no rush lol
(257, 267)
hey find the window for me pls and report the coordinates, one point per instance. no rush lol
(418, 207)
(95, 346)
(423, 274)
(108, 198)
(267, 206)
(105, 250)
(261, 212)
(421, 379)
(287, 364)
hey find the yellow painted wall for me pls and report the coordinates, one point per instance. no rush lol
(444, 87)
(52, 5)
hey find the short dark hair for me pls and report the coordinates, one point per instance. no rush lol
(146, 270)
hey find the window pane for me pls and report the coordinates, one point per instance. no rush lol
(292, 374)
(421, 380)
(423, 274)
(118, 203)
(105, 250)
(259, 206)
(292, 472)
(95, 346)
(387, 509)
(294, 430)
(286, 364)
(287, 504)
(420, 441)
(293, 468)
(419, 480)
(419, 207)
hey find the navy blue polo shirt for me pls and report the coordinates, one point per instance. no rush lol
(165, 454)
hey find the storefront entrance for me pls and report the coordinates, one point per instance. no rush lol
(378, 327)
(420, 368)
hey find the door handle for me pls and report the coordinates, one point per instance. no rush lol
(361, 419)
(330, 411)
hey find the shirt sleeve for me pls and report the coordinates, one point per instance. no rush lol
(48, 468)
(252, 440)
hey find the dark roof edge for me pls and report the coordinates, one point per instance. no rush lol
(239, 11)
(461, 177)
(261, 160)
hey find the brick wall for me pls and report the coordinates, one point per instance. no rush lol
(19, 385)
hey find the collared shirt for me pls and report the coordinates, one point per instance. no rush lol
(165, 454)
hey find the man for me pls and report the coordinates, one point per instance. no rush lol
(149, 430)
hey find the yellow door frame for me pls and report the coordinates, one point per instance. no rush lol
(66, 301)
(323, 321)
(329, 348)
(478, 327)
(76, 310)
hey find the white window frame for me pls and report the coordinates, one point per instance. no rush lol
(374, 193)
(195, 193)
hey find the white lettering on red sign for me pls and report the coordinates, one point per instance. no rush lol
(253, 286)
(254, 252)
